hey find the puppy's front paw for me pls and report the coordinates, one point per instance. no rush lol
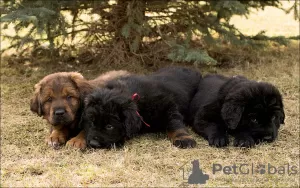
(181, 138)
(244, 141)
(76, 142)
(56, 139)
(218, 141)
(185, 142)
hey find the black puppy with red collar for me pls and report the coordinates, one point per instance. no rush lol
(137, 104)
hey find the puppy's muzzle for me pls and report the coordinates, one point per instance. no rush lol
(269, 138)
(59, 112)
(60, 116)
(94, 143)
(270, 134)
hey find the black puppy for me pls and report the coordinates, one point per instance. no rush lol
(248, 110)
(138, 104)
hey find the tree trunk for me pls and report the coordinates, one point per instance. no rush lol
(129, 17)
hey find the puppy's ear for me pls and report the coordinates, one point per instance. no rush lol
(231, 113)
(132, 121)
(35, 102)
(82, 84)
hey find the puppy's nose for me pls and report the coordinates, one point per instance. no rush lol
(94, 143)
(59, 112)
(268, 138)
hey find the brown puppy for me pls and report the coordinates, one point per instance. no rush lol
(58, 98)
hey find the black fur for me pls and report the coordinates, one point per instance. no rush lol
(110, 114)
(250, 111)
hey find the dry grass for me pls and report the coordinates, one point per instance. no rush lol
(148, 160)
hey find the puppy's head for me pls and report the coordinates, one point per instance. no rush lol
(57, 97)
(255, 108)
(109, 117)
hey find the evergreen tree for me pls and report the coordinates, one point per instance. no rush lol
(135, 26)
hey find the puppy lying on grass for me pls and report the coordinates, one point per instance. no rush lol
(58, 99)
(250, 111)
(137, 104)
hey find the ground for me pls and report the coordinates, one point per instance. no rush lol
(147, 160)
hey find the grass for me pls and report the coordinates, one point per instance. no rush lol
(147, 160)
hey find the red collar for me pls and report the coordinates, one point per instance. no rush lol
(135, 97)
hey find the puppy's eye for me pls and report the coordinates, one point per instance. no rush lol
(254, 120)
(49, 99)
(273, 118)
(69, 97)
(109, 127)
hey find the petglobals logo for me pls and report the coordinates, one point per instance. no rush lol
(246, 169)
(193, 174)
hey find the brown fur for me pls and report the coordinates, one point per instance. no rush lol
(179, 135)
(65, 90)
(57, 136)
(78, 141)
(105, 77)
